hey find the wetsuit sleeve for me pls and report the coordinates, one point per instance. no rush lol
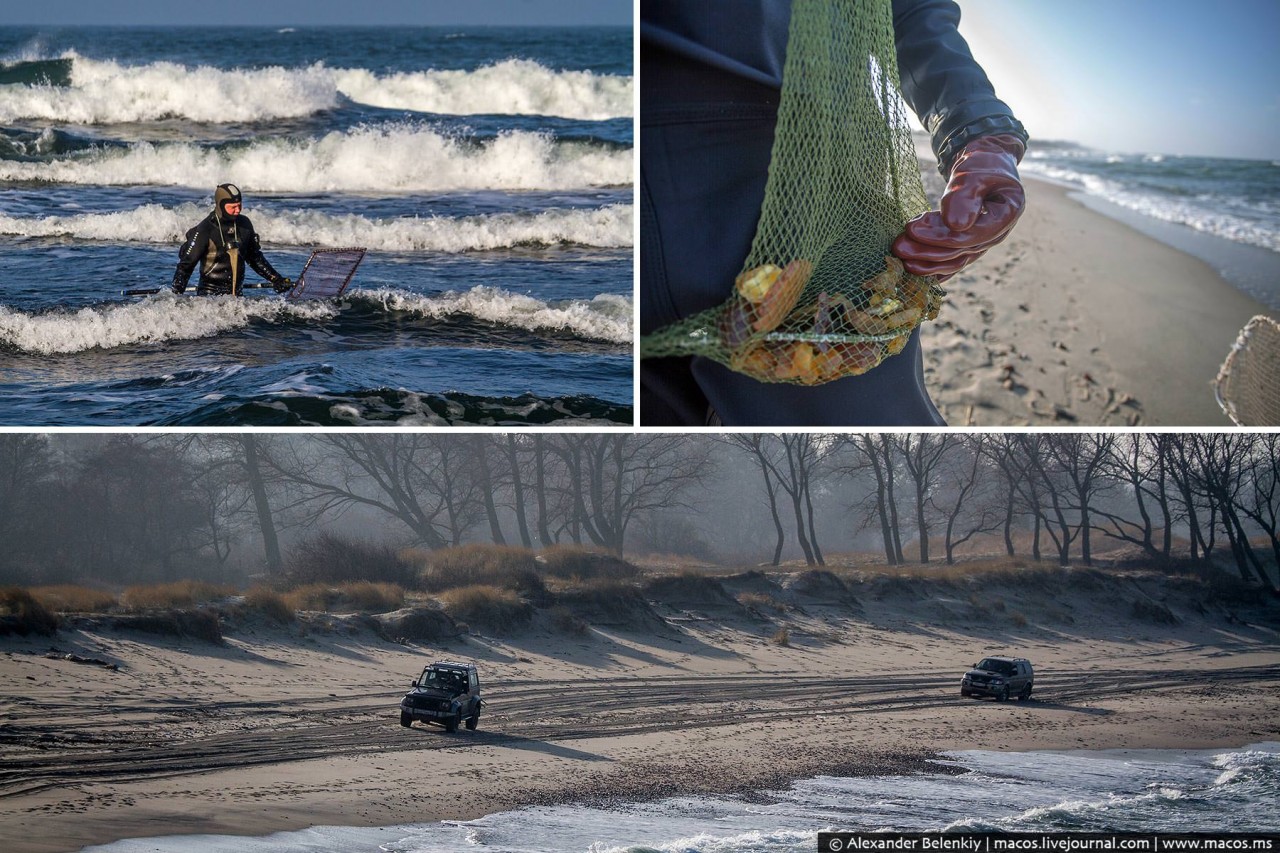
(252, 249)
(942, 82)
(189, 255)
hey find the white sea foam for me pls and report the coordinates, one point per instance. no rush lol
(161, 318)
(166, 317)
(513, 87)
(395, 157)
(106, 91)
(605, 227)
(1022, 791)
(1209, 215)
(606, 317)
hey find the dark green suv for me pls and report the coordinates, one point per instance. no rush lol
(446, 694)
(1000, 677)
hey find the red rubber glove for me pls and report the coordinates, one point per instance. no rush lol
(983, 201)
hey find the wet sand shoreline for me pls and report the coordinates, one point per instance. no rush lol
(1079, 320)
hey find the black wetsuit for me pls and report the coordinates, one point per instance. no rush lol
(210, 244)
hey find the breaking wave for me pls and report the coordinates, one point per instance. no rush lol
(512, 87)
(605, 227)
(606, 318)
(395, 157)
(106, 92)
(161, 318)
(165, 317)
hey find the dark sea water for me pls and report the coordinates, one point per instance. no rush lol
(1149, 791)
(488, 171)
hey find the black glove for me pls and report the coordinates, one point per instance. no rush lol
(283, 285)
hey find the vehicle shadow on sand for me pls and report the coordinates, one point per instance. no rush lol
(483, 738)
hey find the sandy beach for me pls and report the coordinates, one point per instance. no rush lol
(1078, 319)
(284, 728)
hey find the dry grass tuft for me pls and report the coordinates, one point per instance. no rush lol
(179, 594)
(271, 604)
(311, 596)
(70, 598)
(760, 601)
(782, 637)
(368, 597)
(482, 565)
(564, 561)
(491, 606)
(613, 600)
(22, 613)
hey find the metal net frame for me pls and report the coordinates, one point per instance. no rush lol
(327, 274)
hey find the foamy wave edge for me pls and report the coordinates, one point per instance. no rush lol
(606, 317)
(396, 157)
(164, 317)
(107, 92)
(608, 227)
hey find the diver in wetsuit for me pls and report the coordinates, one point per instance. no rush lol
(221, 244)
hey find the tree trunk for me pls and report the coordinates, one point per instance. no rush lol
(540, 488)
(266, 521)
(517, 491)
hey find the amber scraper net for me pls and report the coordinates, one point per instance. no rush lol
(1248, 385)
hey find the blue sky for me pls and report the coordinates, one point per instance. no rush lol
(1157, 76)
(320, 12)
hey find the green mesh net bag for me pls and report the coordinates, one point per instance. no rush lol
(819, 296)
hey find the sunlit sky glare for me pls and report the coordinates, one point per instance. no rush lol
(1153, 76)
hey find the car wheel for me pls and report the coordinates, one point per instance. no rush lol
(405, 720)
(1003, 695)
(451, 724)
(1025, 694)
(473, 721)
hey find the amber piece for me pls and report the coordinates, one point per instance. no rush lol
(754, 284)
(782, 296)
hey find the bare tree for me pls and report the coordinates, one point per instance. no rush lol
(1139, 462)
(922, 456)
(1261, 502)
(1081, 459)
(617, 477)
(763, 453)
(1039, 483)
(515, 471)
(1001, 450)
(874, 454)
(968, 506)
(25, 463)
(136, 513)
(417, 479)
(487, 485)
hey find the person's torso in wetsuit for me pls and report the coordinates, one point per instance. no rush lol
(221, 246)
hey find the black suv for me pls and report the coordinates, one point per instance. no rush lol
(446, 694)
(1000, 677)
